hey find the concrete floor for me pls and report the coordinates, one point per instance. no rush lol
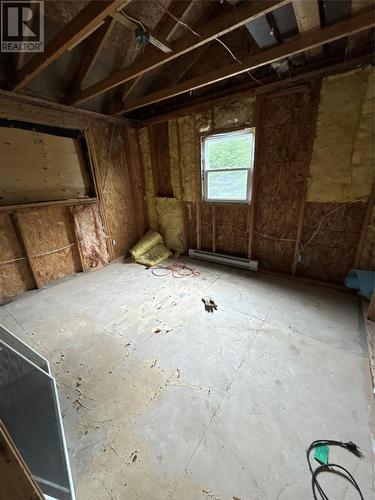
(162, 400)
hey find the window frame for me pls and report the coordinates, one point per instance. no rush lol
(204, 171)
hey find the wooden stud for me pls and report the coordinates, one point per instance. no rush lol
(371, 309)
(97, 40)
(257, 150)
(94, 165)
(199, 185)
(77, 240)
(217, 27)
(302, 208)
(134, 191)
(151, 140)
(86, 21)
(26, 249)
(304, 42)
(365, 225)
(213, 221)
(181, 186)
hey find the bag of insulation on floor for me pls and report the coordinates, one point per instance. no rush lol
(150, 250)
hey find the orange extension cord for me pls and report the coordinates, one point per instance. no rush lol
(176, 269)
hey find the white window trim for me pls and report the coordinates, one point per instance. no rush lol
(204, 176)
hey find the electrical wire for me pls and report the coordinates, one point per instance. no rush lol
(176, 269)
(216, 38)
(331, 467)
(134, 20)
(304, 245)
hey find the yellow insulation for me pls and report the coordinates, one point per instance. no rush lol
(171, 223)
(342, 161)
(144, 144)
(150, 250)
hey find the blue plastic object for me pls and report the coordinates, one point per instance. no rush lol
(364, 281)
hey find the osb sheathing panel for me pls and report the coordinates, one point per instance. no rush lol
(367, 260)
(115, 179)
(342, 164)
(150, 194)
(91, 235)
(170, 222)
(40, 167)
(234, 114)
(330, 255)
(285, 138)
(14, 277)
(47, 229)
(231, 223)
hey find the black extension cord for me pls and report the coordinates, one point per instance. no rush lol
(332, 468)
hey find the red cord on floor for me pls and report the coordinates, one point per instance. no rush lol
(176, 269)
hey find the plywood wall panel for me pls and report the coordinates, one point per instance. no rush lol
(285, 137)
(15, 277)
(109, 141)
(331, 254)
(231, 232)
(45, 230)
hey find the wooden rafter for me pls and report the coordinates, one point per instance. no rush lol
(96, 42)
(165, 29)
(209, 31)
(304, 42)
(308, 19)
(154, 38)
(88, 19)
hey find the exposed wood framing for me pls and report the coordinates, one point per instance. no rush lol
(96, 42)
(308, 19)
(208, 32)
(24, 206)
(151, 139)
(154, 39)
(181, 186)
(26, 249)
(134, 191)
(301, 215)
(213, 222)
(165, 29)
(93, 160)
(198, 185)
(366, 222)
(77, 240)
(270, 85)
(258, 145)
(304, 42)
(88, 19)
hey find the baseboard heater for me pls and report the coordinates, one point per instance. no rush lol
(224, 259)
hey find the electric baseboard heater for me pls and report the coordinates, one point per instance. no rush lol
(30, 410)
(219, 258)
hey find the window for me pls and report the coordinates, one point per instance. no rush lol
(227, 162)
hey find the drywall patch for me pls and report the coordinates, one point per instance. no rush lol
(171, 223)
(341, 158)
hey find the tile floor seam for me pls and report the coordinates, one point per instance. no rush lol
(220, 402)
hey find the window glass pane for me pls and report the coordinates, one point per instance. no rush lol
(229, 151)
(227, 185)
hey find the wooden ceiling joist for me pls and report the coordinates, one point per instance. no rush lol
(308, 19)
(88, 19)
(90, 56)
(304, 42)
(208, 32)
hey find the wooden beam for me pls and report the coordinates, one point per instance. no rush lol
(304, 42)
(269, 84)
(209, 31)
(165, 29)
(88, 19)
(154, 39)
(25, 248)
(308, 19)
(365, 225)
(96, 42)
